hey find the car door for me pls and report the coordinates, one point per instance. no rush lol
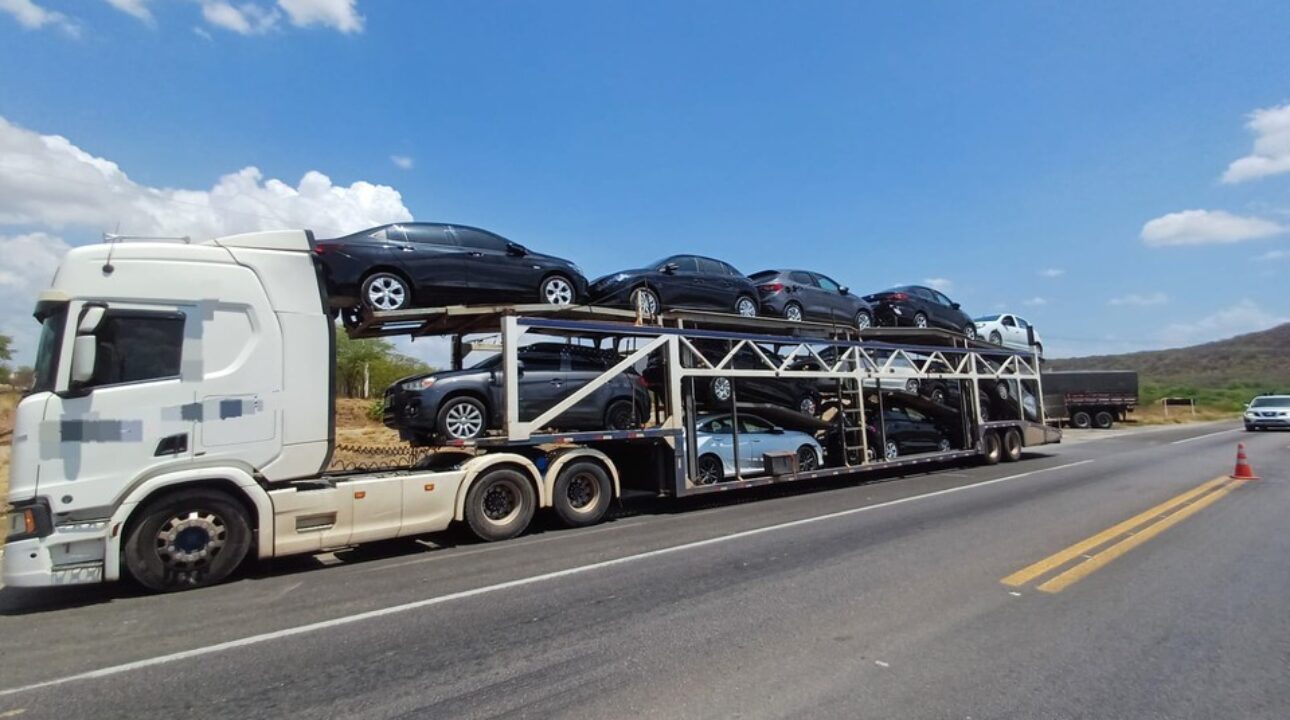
(493, 273)
(945, 314)
(835, 305)
(434, 261)
(716, 436)
(585, 365)
(714, 288)
(801, 288)
(755, 439)
(678, 288)
(924, 301)
(1022, 338)
(921, 431)
(1008, 330)
(541, 383)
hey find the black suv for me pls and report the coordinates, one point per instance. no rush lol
(465, 404)
(679, 281)
(803, 295)
(922, 307)
(393, 267)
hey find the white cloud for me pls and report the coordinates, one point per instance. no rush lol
(46, 180)
(136, 8)
(339, 14)
(1271, 154)
(1205, 227)
(937, 283)
(201, 33)
(1243, 317)
(244, 19)
(1034, 302)
(33, 16)
(1274, 255)
(1052, 272)
(403, 162)
(1136, 300)
(29, 264)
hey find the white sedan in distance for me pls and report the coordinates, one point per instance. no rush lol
(1009, 330)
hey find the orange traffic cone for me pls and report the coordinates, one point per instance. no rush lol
(1243, 470)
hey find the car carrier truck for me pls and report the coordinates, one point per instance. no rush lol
(182, 416)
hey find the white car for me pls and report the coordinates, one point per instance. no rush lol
(716, 447)
(1268, 411)
(1009, 330)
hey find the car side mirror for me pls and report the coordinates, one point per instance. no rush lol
(670, 268)
(85, 351)
(844, 290)
(516, 249)
(955, 305)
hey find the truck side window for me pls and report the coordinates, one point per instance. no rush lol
(135, 345)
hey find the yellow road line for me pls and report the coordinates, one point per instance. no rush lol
(1026, 574)
(1100, 560)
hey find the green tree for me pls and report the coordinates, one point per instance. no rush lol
(6, 347)
(378, 357)
(23, 377)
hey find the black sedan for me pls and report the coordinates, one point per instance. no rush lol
(921, 307)
(466, 404)
(907, 431)
(679, 281)
(802, 295)
(393, 267)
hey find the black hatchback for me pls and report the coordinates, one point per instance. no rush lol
(393, 267)
(803, 295)
(921, 307)
(679, 281)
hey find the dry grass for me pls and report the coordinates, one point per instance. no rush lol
(1155, 415)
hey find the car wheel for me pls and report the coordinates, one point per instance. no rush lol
(996, 338)
(807, 460)
(938, 395)
(943, 445)
(892, 450)
(808, 405)
(462, 418)
(912, 386)
(621, 415)
(500, 504)
(386, 291)
(188, 539)
(556, 290)
(969, 331)
(582, 493)
(1081, 420)
(746, 306)
(1001, 389)
(1103, 420)
(1012, 445)
(864, 320)
(709, 470)
(991, 451)
(792, 312)
(721, 389)
(645, 300)
(920, 320)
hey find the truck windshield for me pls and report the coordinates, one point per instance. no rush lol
(49, 348)
(1271, 402)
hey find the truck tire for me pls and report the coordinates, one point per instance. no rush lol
(1081, 419)
(582, 493)
(1012, 445)
(991, 452)
(1103, 420)
(500, 504)
(187, 539)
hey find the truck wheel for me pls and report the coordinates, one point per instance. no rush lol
(462, 418)
(1081, 419)
(500, 505)
(188, 539)
(1012, 445)
(1103, 420)
(991, 452)
(582, 493)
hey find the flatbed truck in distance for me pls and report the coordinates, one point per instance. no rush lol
(1090, 398)
(182, 416)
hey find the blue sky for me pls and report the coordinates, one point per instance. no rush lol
(980, 144)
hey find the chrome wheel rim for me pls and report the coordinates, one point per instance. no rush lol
(863, 322)
(806, 459)
(911, 387)
(943, 445)
(970, 332)
(747, 307)
(807, 406)
(557, 291)
(583, 491)
(386, 293)
(190, 540)
(920, 321)
(893, 450)
(464, 421)
(721, 389)
(645, 301)
(793, 313)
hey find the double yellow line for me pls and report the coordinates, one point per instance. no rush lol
(1127, 535)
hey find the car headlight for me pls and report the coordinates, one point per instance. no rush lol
(420, 384)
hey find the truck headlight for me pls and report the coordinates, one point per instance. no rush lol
(28, 520)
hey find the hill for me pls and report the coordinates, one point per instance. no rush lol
(1224, 373)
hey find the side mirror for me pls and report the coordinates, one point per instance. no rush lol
(516, 249)
(844, 290)
(84, 354)
(91, 316)
(955, 305)
(669, 268)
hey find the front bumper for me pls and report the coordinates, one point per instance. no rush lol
(71, 555)
(1265, 423)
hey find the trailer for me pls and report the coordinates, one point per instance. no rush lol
(1090, 398)
(183, 415)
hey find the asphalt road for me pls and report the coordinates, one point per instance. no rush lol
(878, 600)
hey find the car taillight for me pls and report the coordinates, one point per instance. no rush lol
(324, 248)
(898, 297)
(771, 287)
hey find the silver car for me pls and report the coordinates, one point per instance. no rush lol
(716, 447)
(1268, 411)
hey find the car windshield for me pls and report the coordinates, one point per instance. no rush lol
(1279, 402)
(987, 318)
(48, 348)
